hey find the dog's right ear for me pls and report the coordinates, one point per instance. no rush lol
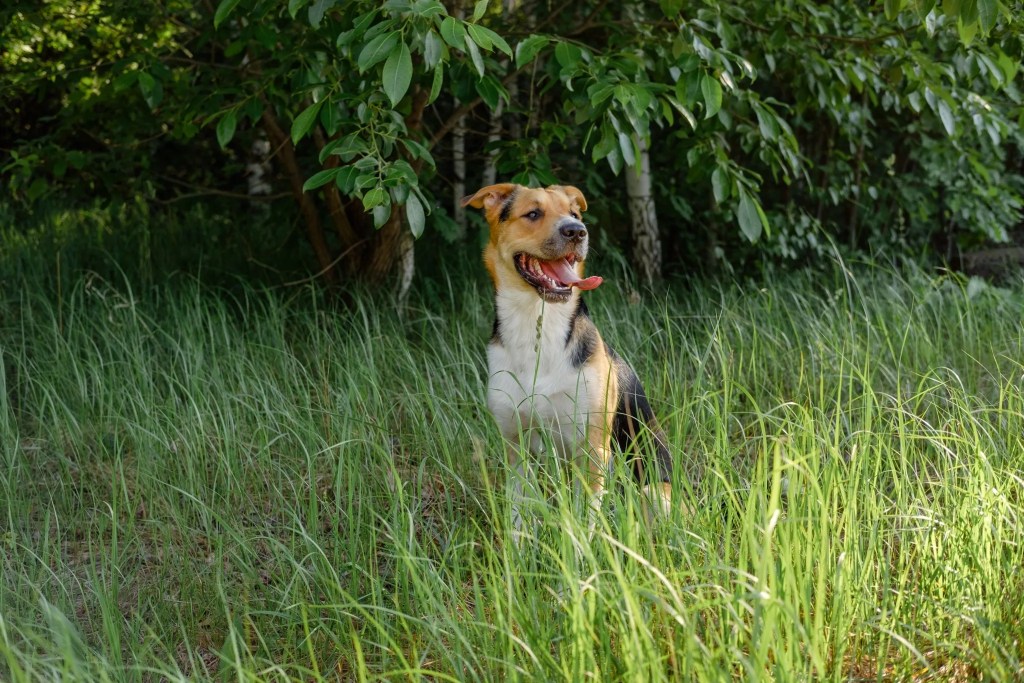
(490, 196)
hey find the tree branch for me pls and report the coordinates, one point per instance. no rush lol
(314, 230)
(453, 120)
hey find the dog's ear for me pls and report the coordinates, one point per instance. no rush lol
(573, 193)
(490, 196)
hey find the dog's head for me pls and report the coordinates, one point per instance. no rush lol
(538, 240)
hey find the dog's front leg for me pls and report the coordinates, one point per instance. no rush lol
(515, 483)
(598, 461)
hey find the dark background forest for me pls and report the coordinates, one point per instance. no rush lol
(281, 140)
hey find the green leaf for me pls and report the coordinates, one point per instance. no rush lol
(474, 54)
(606, 145)
(377, 50)
(626, 146)
(599, 92)
(428, 8)
(399, 192)
(720, 184)
(748, 216)
(317, 11)
(969, 12)
(767, 122)
(498, 41)
(489, 90)
(686, 113)
(764, 218)
(294, 6)
(37, 189)
(671, 8)
(529, 48)
(479, 10)
(946, 115)
(614, 160)
(711, 89)
(1007, 65)
(417, 150)
(490, 37)
(477, 35)
(152, 90)
(453, 33)
(433, 49)
(319, 179)
(924, 7)
(397, 74)
(951, 8)
(988, 12)
(892, 9)
(381, 214)
(347, 147)
(967, 31)
(330, 119)
(226, 128)
(435, 86)
(567, 54)
(304, 121)
(346, 179)
(415, 215)
(374, 197)
(223, 10)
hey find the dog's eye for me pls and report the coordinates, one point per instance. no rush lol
(533, 215)
(574, 215)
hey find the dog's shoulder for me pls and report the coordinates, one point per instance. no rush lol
(582, 339)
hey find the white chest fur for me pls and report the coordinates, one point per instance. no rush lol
(534, 387)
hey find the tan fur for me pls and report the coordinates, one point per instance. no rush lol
(516, 234)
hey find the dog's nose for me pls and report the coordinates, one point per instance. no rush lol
(573, 231)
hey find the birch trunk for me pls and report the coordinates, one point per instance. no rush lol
(644, 218)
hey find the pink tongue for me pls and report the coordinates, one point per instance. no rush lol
(561, 271)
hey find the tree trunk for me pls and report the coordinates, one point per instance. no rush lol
(392, 245)
(459, 173)
(644, 218)
(348, 238)
(459, 154)
(314, 230)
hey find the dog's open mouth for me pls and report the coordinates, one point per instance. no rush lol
(553, 279)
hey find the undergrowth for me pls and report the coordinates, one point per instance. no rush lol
(265, 484)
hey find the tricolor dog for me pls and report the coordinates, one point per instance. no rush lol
(551, 373)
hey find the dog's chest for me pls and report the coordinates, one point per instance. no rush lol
(534, 383)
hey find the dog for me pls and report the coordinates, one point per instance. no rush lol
(551, 375)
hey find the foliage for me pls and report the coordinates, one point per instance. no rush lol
(801, 122)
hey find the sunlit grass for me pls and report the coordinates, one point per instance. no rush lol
(268, 485)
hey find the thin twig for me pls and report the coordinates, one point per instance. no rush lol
(326, 268)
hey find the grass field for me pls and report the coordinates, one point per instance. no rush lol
(265, 485)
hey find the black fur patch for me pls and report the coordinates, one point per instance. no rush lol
(635, 430)
(581, 339)
(506, 208)
(496, 332)
(584, 349)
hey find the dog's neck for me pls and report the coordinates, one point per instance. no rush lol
(526, 323)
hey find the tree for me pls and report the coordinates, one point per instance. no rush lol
(776, 120)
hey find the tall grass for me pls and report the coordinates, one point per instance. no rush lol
(266, 485)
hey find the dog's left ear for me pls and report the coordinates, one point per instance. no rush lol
(573, 193)
(489, 196)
